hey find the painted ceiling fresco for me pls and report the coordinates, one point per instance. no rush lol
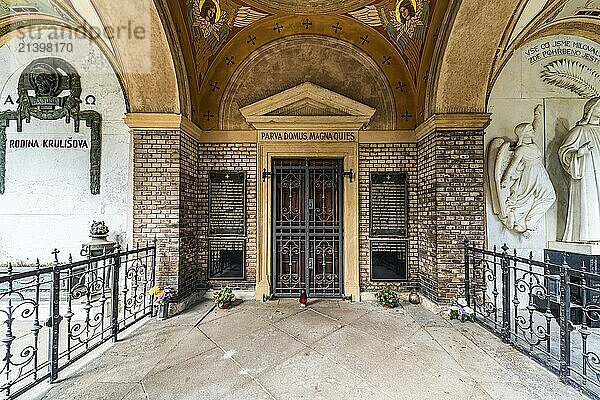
(225, 32)
(214, 22)
(309, 6)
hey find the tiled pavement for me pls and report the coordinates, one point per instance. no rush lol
(330, 350)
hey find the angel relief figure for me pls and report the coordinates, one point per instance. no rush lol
(521, 188)
(407, 21)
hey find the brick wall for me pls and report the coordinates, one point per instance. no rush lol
(235, 158)
(400, 157)
(165, 204)
(446, 204)
(156, 198)
(451, 208)
(427, 218)
(190, 277)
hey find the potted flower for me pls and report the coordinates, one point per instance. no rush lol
(387, 298)
(162, 297)
(223, 297)
(459, 308)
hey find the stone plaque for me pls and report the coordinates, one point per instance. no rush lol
(227, 204)
(389, 204)
(389, 260)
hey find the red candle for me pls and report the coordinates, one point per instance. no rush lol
(303, 297)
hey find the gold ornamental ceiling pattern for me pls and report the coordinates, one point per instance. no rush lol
(309, 6)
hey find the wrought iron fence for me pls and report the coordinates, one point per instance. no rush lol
(54, 315)
(549, 311)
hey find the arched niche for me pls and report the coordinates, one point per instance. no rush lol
(47, 203)
(527, 80)
(290, 61)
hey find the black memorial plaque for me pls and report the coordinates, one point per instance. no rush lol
(389, 205)
(389, 260)
(227, 204)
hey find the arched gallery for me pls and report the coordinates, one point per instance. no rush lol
(331, 147)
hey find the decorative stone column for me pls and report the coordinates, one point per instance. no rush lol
(165, 199)
(451, 199)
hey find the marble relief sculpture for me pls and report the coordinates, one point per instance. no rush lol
(521, 188)
(580, 157)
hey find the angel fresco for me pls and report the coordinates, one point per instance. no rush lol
(520, 186)
(208, 22)
(212, 22)
(407, 21)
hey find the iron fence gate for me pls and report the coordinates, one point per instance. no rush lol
(549, 311)
(54, 315)
(307, 227)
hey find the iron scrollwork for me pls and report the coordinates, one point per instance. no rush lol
(57, 95)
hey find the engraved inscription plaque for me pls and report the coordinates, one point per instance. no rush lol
(388, 260)
(389, 204)
(227, 204)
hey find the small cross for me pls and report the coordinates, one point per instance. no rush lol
(278, 27)
(406, 116)
(208, 115)
(387, 60)
(230, 60)
(251, 39)
(227, 176)
(365, 39)
(337, 27)
(400, 86)
(215, 86)
(307, 24)
(389, 177)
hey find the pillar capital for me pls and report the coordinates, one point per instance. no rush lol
(140, 122)
(453, 122)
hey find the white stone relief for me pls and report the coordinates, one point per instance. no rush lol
(520, 186)
(574, 76)
(580, 157)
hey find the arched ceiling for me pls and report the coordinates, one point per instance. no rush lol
(482, 37)
(436, 56)
(142, 60)
(218, 35)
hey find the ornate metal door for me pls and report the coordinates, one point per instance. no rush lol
(307, 227)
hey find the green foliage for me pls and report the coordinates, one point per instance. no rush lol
(387, 297)
(223, 296)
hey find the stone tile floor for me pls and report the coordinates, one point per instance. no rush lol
(330, 350)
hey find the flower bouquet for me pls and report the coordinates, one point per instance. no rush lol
(387, 298)
(162, 297)
(459, 308)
